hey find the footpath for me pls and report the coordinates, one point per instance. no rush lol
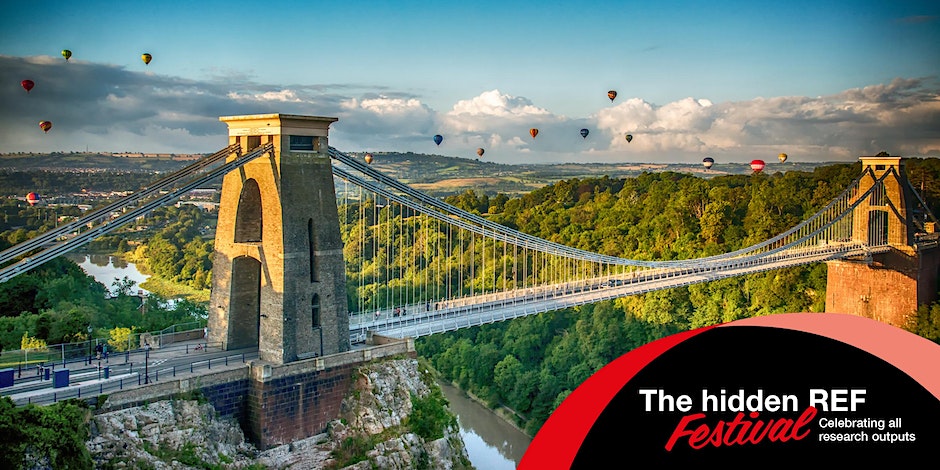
(82, 379)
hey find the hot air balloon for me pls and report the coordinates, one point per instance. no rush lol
(67, 54)
(611, 94)
(45, 125)
(27, 85)
(629, 138)
(782, 157)
(32, 199)
(480, 152)
(534, 132)
(146, 57)
(757, 165)
(708, 162)
(369, 158)
(438, 139)
(584, 133)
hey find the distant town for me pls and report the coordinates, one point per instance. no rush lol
(174, 156)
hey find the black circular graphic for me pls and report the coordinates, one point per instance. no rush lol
(763, 395)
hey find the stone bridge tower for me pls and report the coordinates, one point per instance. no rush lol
(890, 285)
(278, 277)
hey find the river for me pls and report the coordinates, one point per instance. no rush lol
(108, 268)
(492, 443)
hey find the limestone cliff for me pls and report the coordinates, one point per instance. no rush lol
(380, 427)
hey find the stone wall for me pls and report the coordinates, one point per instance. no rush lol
(889, 289)
(221, 387)
(295, 407)
(297, 400)
(167, 433)
(274, 403)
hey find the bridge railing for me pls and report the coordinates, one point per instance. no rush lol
(473, 312)
(63, 354)
(119, 372)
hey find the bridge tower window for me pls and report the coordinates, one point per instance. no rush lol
(304, 143)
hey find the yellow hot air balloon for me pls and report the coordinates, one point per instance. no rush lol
(67, 54)
(782, 157)
(369, 158)
(146, 57)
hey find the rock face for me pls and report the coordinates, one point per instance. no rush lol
(373, 432)
(167, 434)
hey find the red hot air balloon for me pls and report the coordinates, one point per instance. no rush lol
(534, 132)
(32, 199)
(27, 85)
(611, 94)
(45, 125)
(757, 165)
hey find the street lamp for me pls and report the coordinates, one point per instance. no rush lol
(89, 343)
(147, 363)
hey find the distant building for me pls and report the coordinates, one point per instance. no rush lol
(204, 205)
(202, 193)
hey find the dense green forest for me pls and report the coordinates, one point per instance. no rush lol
(56, 302)
(531, 364)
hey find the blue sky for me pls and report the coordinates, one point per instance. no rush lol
(819, 80)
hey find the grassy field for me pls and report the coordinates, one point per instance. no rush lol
(169, 290)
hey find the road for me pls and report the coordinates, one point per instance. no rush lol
(122, 371)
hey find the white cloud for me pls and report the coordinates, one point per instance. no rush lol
(281, 96)
(43, 60)
(384, 105)
(494, 103)
(107, 107)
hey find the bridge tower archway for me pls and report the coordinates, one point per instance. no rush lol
(887, 211)
(891, 284)
(278, 249)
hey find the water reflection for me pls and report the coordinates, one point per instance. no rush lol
(99, 260)
(492, 443)
(107, 269)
